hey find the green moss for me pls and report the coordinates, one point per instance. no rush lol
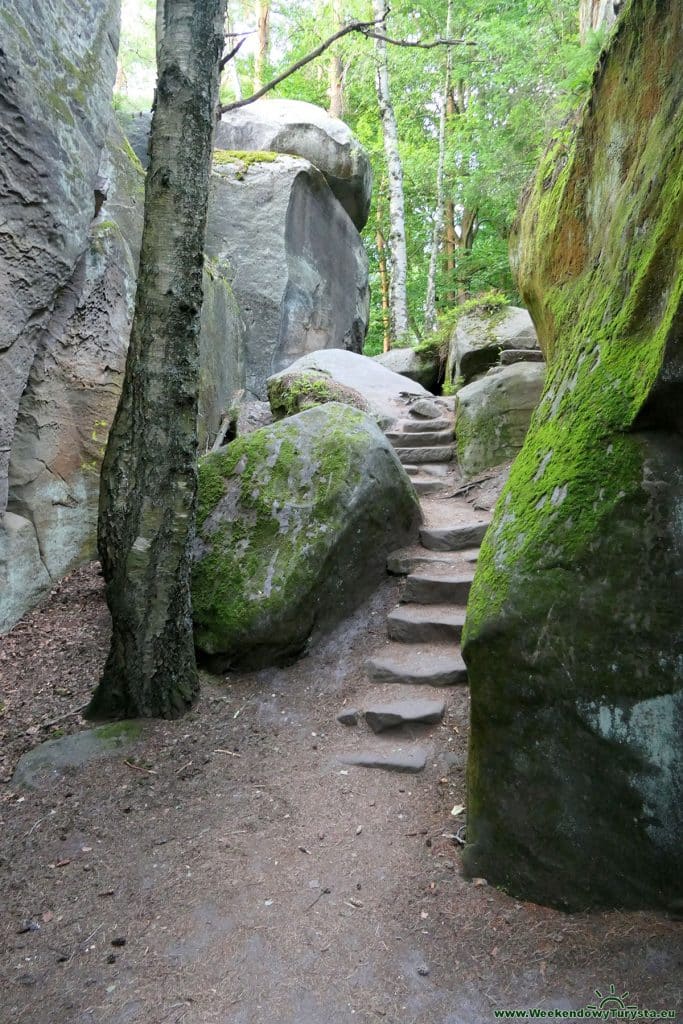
(131, 155)
(127, 730)
(256, 561)
(293, 393)
(244, 159)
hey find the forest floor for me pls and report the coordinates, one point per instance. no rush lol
(229, 869)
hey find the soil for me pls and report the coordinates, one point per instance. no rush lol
(230, 869)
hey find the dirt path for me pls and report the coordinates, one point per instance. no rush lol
(233, 871)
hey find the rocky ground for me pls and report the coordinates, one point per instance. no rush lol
(228, 867)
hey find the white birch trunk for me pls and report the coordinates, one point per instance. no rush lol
(397, 235)
(437, 232)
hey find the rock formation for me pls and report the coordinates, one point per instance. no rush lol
(574, 639)
(295, 523)
(335, 375)
(298, 266)
(295, 127)
(481, 337)
(493, 415)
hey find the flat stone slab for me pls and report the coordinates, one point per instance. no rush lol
(428, 485)
(422, 623)
(425, 587)
(407, 560)
(417, 665)
(412, 759)
(427, 438)
(418, 426)
(454, 538)
(403, 712)
(415, 456)
(74, 751)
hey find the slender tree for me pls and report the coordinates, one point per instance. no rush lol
(336, 69)
(398, 295)
(437, 230)
(263, 42)
(148, 486)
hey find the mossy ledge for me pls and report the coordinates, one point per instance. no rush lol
(573, 642)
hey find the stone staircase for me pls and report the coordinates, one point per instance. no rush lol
(425, 628)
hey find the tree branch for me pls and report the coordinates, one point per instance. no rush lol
(422, 46)
(353, 26)
(229, 56)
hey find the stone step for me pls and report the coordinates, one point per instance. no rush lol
(391, 714)
(409, 759)
(414, 665)
(427, 439)
(428, 485)
(428, 469)
(434, 587)
(424, 623)
(453, 538)
(415, 456)
(417, 426)
(406, 560)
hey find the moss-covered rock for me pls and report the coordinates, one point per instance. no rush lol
(290, 393)
(574, 640)
(295, 522)
(493, 415)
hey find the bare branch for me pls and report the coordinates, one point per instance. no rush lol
(353, 26)
(229, 56)
(422, 46)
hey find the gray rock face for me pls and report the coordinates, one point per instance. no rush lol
(73, 388)
(299, 269)
(383, 391)
(409, 363)
(302, 129)
(479, 339)
(53, 119)
(494, 413)
(294, 525)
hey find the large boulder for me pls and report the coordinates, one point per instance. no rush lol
(53, 118)
(295, 523)
(480, 336)
(493, 415)
(417, 366)
(574, 635)
(299, 269)
(333, 374)
(302, 129)
(73, 389)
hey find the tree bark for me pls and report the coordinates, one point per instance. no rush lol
(437, 232)
(398, 296)
(336, 67)
(149, 475)
(263, 28)
(383, 279)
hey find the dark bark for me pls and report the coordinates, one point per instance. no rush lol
(149, 475)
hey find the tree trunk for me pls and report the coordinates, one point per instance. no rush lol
(263, 28)
(430, 301)
(398, 296)
(149, 475)
(231, 67)
(383, 279)
(336, 67)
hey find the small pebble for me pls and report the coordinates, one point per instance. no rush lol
(423, 970)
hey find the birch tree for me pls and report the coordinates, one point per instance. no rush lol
(149, 475)
(398, 296)
(437, 231)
